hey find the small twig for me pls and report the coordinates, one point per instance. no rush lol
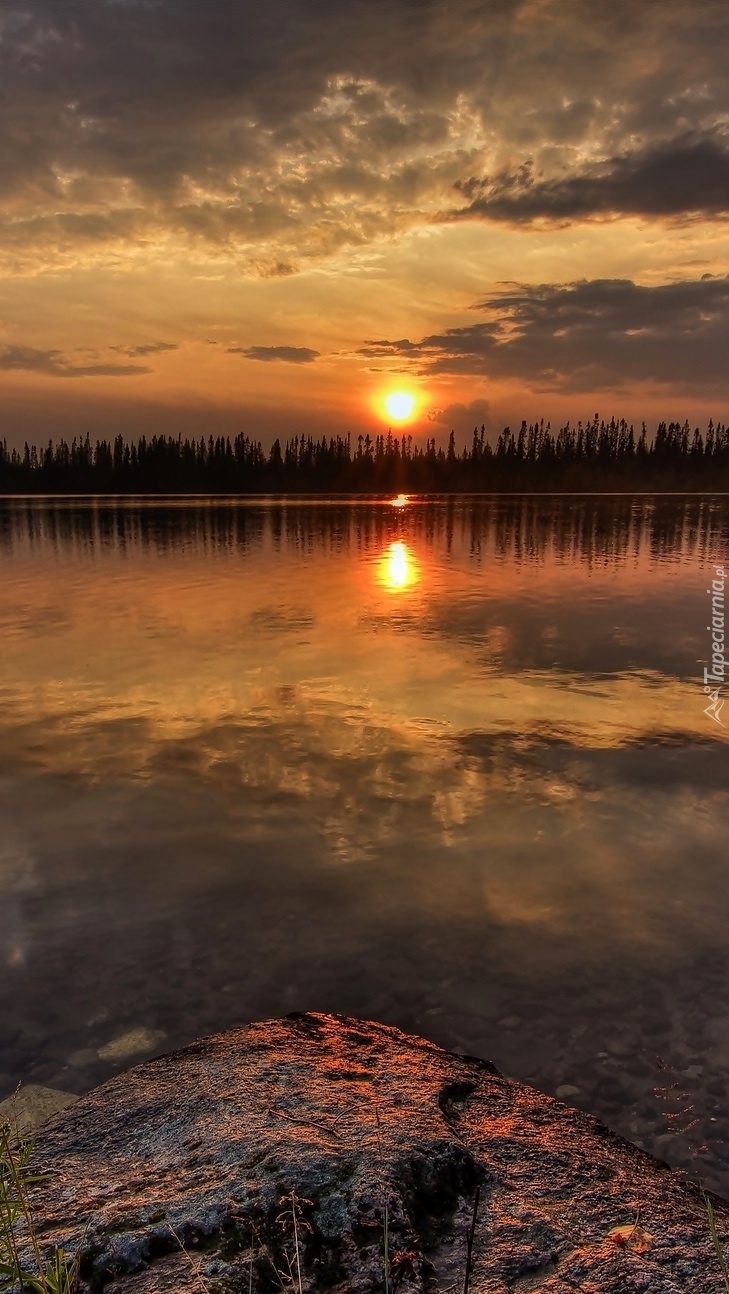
(200, 1280)
(296, 1240)
(293, 1279)
(384, 1206)
(470, 1237)
(304, 1123)
(629, 1237)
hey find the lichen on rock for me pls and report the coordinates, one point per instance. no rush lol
(331, 1148)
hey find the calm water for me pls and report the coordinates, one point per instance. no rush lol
(445, 765)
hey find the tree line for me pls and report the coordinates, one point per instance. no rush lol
(596, 455)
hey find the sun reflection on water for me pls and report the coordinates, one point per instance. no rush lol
(398, 569)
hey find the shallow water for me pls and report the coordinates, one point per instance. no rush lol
(446, 765)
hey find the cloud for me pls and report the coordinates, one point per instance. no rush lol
(688, 176)
(285, 354)
(586, 336)
(148, 348)
(269, 135)
(55, 364)
(462, 417)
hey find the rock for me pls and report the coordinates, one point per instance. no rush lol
(133, 1043)
(566, 1090)
(30, 1106)
(328, 1131)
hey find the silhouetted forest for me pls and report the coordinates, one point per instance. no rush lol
(596, 455)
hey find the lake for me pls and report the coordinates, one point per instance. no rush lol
(441, 762)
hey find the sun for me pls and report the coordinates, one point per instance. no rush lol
(400, 405)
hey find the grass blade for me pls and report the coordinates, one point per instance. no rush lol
(715, 1240)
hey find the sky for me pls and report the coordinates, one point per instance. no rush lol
(222, 216)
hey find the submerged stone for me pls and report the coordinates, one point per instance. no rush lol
(133, 1043)
(331, 1146)
(82, 1058)
(31, 1106)
(566, 1091)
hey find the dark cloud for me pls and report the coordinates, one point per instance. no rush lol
(286, 354)
(147, 348)
(461, 417)
(586, 336)
(55, 364)
(276, 132)
(679, 177)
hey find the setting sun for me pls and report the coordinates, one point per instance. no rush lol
(400, 405)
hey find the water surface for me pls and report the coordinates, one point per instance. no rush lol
(445, 764)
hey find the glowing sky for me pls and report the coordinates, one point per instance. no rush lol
(221, 216)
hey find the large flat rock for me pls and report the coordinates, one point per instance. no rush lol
(304, 1144)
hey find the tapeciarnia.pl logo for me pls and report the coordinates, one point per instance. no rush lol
(715, 678)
